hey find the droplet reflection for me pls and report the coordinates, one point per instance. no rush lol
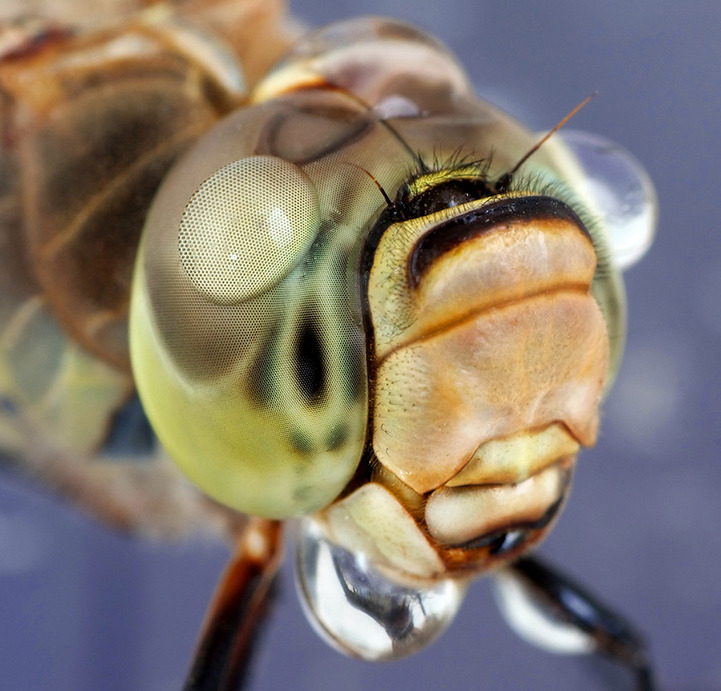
(622, 192)
(359, 610)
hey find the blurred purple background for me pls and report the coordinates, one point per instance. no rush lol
(82, 608)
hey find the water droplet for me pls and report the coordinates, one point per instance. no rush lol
(361, 611)
(622, 192)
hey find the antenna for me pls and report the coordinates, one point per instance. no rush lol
(505, 179)
(422, 167)
(389, 202)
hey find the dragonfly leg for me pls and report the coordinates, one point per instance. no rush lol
(550, 610)
(238, 610)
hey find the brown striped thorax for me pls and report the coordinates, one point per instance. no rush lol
(348, 304)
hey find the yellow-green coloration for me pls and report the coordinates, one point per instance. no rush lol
(428, 181)
(263, 402)
(249, 346)
(234, 243)
(364, 294)
(65, 394)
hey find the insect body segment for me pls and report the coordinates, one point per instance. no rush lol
(91, 123)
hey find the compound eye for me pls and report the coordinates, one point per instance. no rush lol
(246, 227)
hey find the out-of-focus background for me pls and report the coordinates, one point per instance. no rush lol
(82, 608)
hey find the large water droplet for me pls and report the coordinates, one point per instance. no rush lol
(361, 611)
(622, 191)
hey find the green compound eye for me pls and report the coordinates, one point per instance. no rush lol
(247, 359)
(246, 227)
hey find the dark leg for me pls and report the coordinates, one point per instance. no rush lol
(572, 610)
(238, 611)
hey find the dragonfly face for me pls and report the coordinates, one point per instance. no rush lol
(348, 303)
(419, 372)
(489, 294)
(287, 339)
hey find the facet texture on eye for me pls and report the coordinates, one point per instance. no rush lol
(246, 227)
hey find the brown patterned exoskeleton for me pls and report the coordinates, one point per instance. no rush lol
(363, 296)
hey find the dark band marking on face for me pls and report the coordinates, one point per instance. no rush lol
(445, 195)
(507, 211)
